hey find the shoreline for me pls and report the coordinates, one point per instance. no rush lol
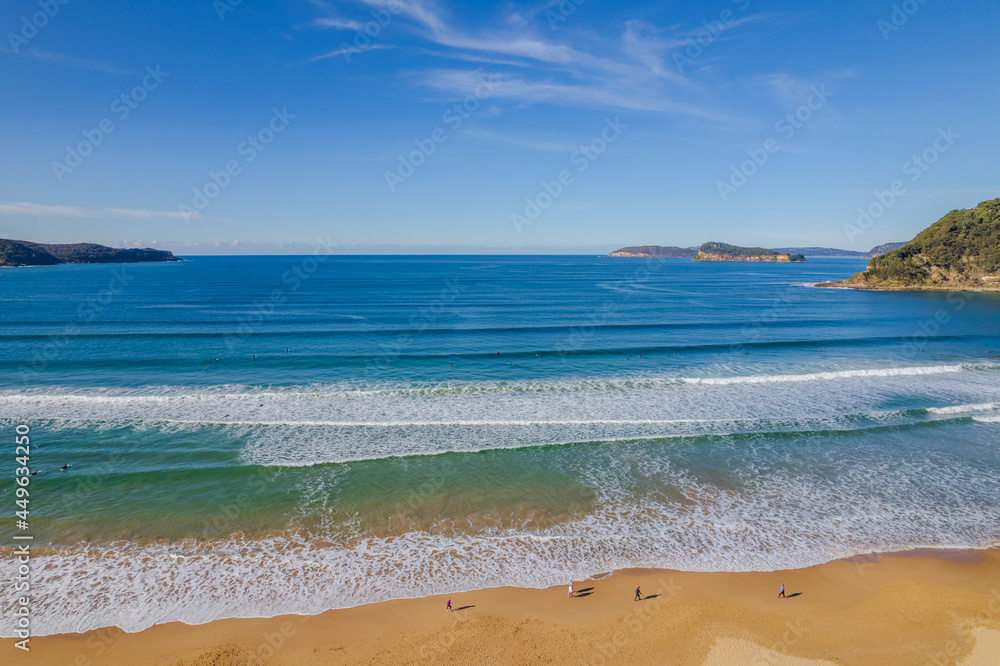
(842, 284)
(903, 607)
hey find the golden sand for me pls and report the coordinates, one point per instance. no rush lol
(908, 610)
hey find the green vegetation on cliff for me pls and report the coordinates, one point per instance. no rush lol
(959, 251)
(714, 251)
(13, 253)
(27, 253)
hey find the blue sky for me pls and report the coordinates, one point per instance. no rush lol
(498, 124)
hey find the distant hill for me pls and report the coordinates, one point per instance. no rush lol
(714, 251)
(961, 251)
(882, 249)
(13, 253)
(672, 252)
(819, 252)
(28, 253)
(837, 252)
(656, 251)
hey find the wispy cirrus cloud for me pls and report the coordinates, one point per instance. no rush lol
(64, 60)
(350, 49)
(789, 89)
(55, 210)
(644, 43)
(339, 23)
(529, 91)
(539, 67)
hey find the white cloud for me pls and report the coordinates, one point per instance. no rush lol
(350, 49)
(583, 71)
(131, 212)
(339, 23)
(640, 41)
(607, 96)
(72, 61)
(29, 208)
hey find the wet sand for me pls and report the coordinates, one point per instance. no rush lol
(927, 607)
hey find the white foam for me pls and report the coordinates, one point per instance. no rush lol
(768, 512)
(964, 409)
(315, 424)
(826, 376)
(771, 518)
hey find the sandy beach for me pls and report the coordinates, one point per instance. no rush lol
(913, 608)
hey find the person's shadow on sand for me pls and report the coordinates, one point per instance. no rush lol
(792, 596)
(652, 596)
(464, 607)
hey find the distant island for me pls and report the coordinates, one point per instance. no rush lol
(27, 253)
(714, 251)
(819, 252)
(959, 252)
(672, 252)
(657, 252)
(837, 252)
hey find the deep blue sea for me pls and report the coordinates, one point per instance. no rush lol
(253, 436)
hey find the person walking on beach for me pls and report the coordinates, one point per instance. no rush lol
(781, 592)
(638, 594)
(571, 590)
(448, 606)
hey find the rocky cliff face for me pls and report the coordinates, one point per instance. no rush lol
(767, 258)
(714, 251)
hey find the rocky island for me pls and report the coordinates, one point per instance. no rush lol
(959, 252)
(27, 253)
(714, 251)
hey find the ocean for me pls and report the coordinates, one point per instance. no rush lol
(255, 436)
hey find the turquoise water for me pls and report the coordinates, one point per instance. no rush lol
(262, 435)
